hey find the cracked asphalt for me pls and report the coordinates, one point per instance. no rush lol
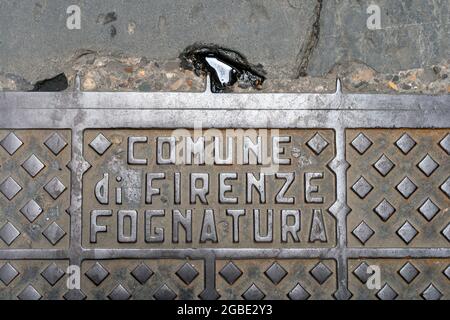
(302, 44)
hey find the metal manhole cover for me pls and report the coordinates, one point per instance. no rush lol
(231, 196)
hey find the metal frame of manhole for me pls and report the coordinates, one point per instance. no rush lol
(77, 111)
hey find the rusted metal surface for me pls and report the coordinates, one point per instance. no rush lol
(404, 279)
(35, 188)
(143, 279)
(405, 172)
(102, 207)
(33, 280)
(284, 279)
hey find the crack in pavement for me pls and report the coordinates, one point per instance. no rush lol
(307, 49)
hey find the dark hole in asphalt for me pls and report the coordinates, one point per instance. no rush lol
(225, 66)
(58, 83)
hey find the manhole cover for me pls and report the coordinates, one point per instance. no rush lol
(230, 196)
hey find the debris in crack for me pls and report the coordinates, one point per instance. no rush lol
(357, 76)
(105, 71)
(226, 67)
(58, 83)
(308, 48)
(12, 82)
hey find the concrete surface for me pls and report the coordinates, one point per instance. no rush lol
(282, 35)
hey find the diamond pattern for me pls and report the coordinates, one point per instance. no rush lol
(429, 209)
(10, 188)
(276, 273)
(387, 293)
(33, 165)
(361, 143)
(339, 208)
(187, 273)
(447, 272)
(9, 233)
(142, 273)
(384, 210)
(361, 272)
(431, 293)
(8, 273)
(408, 272)
(31, 210)
(164, 293)
(119, 293)
(362, 187)
(384, 165)
(299, 293)
(446, 232)
(321, 273)
(406, 187)
(230, 272)
(100, 144)
(363, 232)
(29, 293)
(407, 232)
(97, 273)
(428, 165)
(445, 187)
(52, 273)
(55, 143)
(405, 143)
(11, 143)
(54, 233)
(317, 143)
(55, 188)
(445, 143)
(74, 294)
(253, 293)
